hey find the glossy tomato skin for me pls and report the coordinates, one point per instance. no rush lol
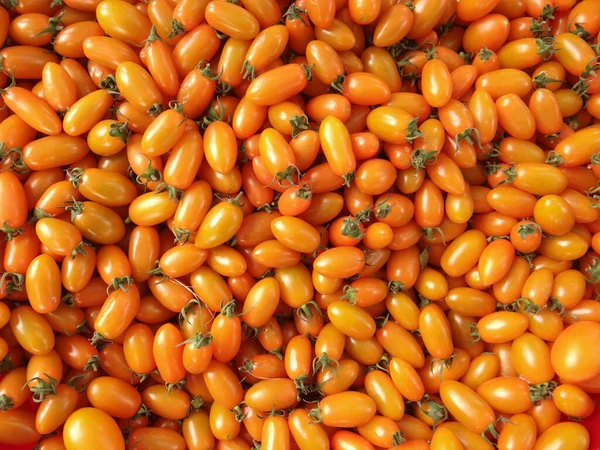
(461, 401)
(18, 427)
(437, 83)
(96, 425)
(334, 412)
(102, 393)
(564, 435)
(32, 331)
(12, 211)
(570, 358)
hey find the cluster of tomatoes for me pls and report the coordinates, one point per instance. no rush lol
(326, 224)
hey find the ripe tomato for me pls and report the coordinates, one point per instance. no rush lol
(334, 411)
(564, 434)
(507, 395)
(114, 396)
(91, 424)
(436, 83)
(31, 330)
(168, 354)
(569, 357)
(18, 427)
(43, 284)
(337, 147)
(223, 384)
(232, 20)
(13, 211)
(466, 406)
(170, 404)
(278, 84)
(520, 432)
(463, 253)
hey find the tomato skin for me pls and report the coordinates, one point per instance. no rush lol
(276, 393)
(578, 148)
(533, 178)
(467, 437)
(335, 413)
(515, 117)
(466, 406)
(114, 396)
(507, 395)
(531, 358)
(351, 320)
(223, 384)
(11, 388)
(406, 379)
(43, 285)
(483, 368)
(502, 326)
(31, 330)
(570, 359)
(121, 20)
(490, 31)
(389, 124)
(444, 439)
(220, 147)
(523, 203)
(382, 390)
(137, 85)
(567, 247)
(447, 176)
(167, 354)
(27, 61)
(573, 401)
(34, 111)
(151, 437)
(392, 25)
(89, 424)
(12, 212)
(463, 253)
(275, 152)
(232, 20)
(426, 15)
(277, 85)
(564, 435)
(436, 332)
(219, 225)
(151, 209)
(337, 147)
(364, 88)
(436, 83)
(172, 405)
(495, 261)
(55, 409)
(163, 133)
(137, 347)
(200, 43)
(60, 99)
(18, 427)
(398, 342)
(505, 81)
(304, 431)
(5, 21)
(340, 262)
(117, 312)
(99, 224)
(107, 188)
(520, 432)
(573, 53)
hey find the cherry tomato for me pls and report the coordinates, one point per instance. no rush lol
(89, 424)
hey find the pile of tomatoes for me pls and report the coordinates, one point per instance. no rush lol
(312, 225)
